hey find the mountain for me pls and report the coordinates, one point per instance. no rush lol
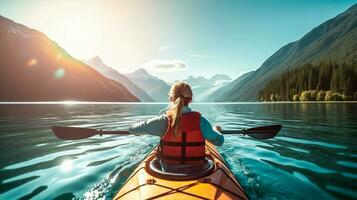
(35, 68)
(334, 40)
(155, 87)
(226, 89)
(203, 87)
(111, 73)
(220, 77)
(322, 82)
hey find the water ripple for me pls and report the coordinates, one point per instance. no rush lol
(303, 141)
(313, 157)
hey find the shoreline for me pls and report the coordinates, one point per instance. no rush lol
(163, 103)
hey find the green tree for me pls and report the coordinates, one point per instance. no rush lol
(328, 96)
(340, 78)
(337, 96)
(313, 95)
(321, 95)
(355, 96)
(306, 96)
(296, 97)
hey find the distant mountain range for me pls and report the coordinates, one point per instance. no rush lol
(226, 89)
(202, 87)
(334, 40)
(155, 87)
(111, 73)
(35, 68)
(158, 89)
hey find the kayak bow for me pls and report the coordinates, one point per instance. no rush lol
(219, 183)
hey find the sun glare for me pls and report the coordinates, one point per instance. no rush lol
(32, 62)
(70, 102)
(59, 73)
(66, 165)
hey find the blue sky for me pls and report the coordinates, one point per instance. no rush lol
(174, 39)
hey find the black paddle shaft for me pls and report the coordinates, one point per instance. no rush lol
(76, 133)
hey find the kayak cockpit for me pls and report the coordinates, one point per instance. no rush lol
(179, 172)
(214, 181)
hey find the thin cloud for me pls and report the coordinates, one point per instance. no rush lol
(202, 56)
(166, 65)
(166, 47)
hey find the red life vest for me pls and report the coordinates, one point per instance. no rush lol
(188, 146)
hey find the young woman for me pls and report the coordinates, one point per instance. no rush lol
(182, 131)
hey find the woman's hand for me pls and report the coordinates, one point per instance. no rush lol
(217, 128)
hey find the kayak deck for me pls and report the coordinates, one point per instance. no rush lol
(220, 184)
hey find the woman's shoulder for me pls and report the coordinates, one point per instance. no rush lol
(204, 120)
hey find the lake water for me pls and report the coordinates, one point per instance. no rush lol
(313, 157)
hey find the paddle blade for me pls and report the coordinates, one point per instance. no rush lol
(263, 132)
(72, 133)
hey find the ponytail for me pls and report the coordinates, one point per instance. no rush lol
(180, 95)
(175, 115)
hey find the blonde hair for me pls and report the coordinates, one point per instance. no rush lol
(180, 94)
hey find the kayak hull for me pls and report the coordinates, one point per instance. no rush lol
(220, 184)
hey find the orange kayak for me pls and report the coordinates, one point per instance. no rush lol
(214, 181)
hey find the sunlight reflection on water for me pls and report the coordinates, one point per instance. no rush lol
(66, 165)
(314, 156)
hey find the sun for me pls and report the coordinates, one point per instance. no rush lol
(77, 36)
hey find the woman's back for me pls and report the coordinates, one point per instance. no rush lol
(182, 131)
(157, 126)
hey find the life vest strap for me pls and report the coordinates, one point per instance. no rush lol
(183, 148)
